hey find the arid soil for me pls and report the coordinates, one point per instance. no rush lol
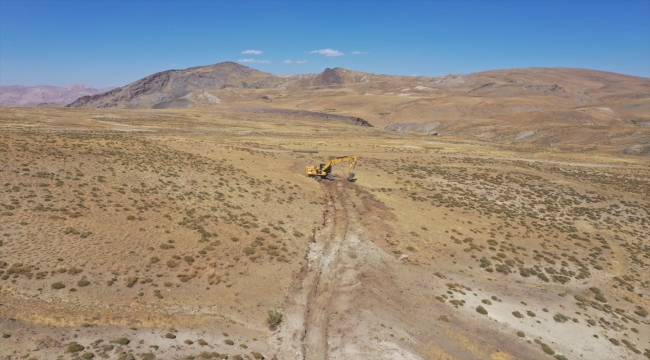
(171, 234)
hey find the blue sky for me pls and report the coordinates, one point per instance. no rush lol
(103, 43)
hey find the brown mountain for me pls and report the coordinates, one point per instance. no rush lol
(539, 106)
(180, 88)
(18, 95)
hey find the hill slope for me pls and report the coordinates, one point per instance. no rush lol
(540, 107)
(173, 88)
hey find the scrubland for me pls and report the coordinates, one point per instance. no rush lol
(194, 234)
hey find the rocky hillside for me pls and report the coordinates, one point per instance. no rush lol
(175, 88)
(18, 95)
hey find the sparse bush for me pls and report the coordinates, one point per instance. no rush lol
(87, 356)
(560, 318)
(188, 259)
(274, 318)
(83, 283)
(74, 348)
(74, 270)
(547, 349)
(131, 281)
(148, 356)
(201, 342)
(486, 302)
(481, 310)
(229, 342)
(58, 286)
(188, 342)
(170, 336)
(521, 334)
(122, 341)
(517, 314)
(154, 259)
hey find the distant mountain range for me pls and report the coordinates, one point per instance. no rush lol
(479, 103)
(18, 95)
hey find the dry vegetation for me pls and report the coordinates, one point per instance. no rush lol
(184, 234)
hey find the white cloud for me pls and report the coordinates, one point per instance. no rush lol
(327, 52)
(287, 61)
(294, 62)
(254, 61)
(359, 52)
(301, 61)
(252, 52)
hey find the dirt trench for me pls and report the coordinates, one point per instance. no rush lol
(321, 320)
(353, 300)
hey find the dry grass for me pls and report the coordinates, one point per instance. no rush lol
(183, 219)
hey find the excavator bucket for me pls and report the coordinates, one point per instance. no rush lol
(351, 177)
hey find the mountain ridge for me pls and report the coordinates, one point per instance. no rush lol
(20, 95)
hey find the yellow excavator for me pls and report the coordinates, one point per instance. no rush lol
(324, 171)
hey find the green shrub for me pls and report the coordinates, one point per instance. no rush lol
(547, 349)
(83, 282)
(521, 334)
(517, 314)
(560, 318)
(170, 336)
(74, 348)
(641, 311)
(58, 286)
(123, 341)
(274, 318)
(88, 356)
(229, 342)
(481, 310)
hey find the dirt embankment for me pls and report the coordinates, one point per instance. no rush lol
(311, 114)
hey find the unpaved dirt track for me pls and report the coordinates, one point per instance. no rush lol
(353, 300)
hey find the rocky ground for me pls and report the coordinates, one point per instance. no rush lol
(177, 234)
